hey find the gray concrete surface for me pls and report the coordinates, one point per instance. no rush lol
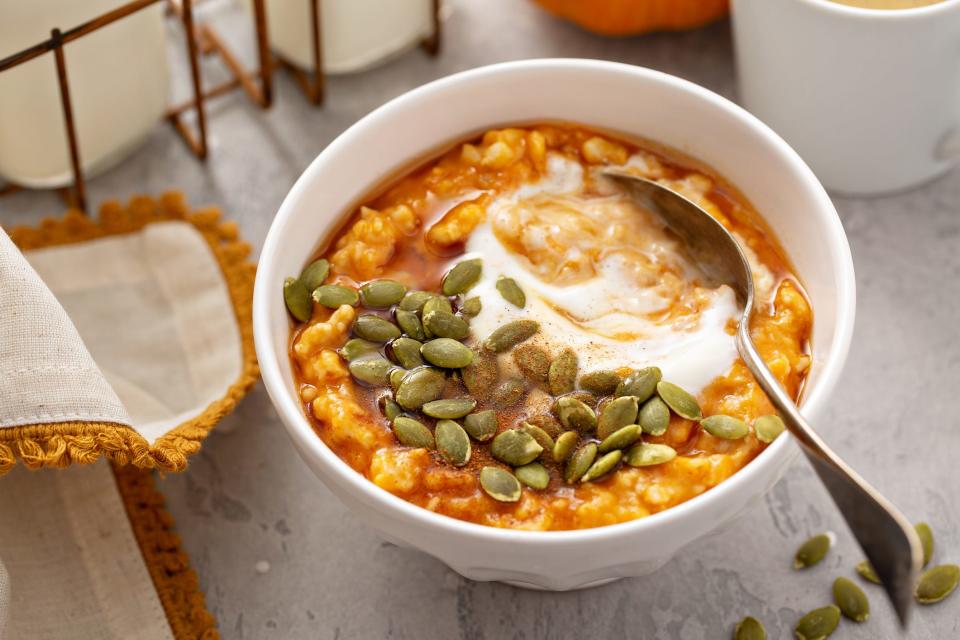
(247, 497)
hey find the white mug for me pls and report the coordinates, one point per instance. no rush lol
(870, 98)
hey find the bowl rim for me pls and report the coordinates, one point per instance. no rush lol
(300, 430)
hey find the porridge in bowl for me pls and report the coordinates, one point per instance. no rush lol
(504, 337)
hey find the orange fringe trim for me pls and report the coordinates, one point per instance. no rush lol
(169, 566)
(66, 443)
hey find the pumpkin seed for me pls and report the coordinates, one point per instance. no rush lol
(390, 408)
(603, 466)
(500, 484)
(410, 324)
(508, 393)
(749, 629)
(581, 460)
(406, 352)
(585, 397)
(462, 276)
(726, 427)
(768, 428)
(481, 425)
(866, 571)
(851, 599)
(449, 408)
(511, 292)
(471, 306)
(447, 353)
(315, 274)
(654, 416)
(533, 362)
(356, 347)
(621, 438)
(452, 442)
(600, 383)
(562, 375)
(373, 371)
(682, 403)
(397, 376)
(534, 475)
(818, 624)
(648, 454)
(510, 335)
(481, 374)
(420, 386)
(297, 299)
(812, 551)
(538, 434)
(514, 447)
(445, 325)
(574, 414)
(381, 294)
(546, 422)
(435, 303)
(412, 433)
(641, 384)
(334, 296)
(414, 300)
(615, 415)
(926, 540)
(937, 583)
(375, 328)
(565, 444)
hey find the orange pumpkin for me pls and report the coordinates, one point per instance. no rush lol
(628, 17)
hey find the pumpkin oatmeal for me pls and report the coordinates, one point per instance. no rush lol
(504, 337)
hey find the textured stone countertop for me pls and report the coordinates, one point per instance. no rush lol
(248, 499)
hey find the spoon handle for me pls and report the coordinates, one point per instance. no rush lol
(886, 536)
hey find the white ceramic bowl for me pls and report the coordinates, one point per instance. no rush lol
(606, 95)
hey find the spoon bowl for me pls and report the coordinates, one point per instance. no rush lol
(886, 536)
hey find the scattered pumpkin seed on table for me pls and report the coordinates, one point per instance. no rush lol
(462, 277)
(620, 439)
(564, 445)
(682, 403)
(533, 362)
(334, 296)
(654, 416)
(725, 427)
(372, 371)
(482, 425)
(447, 353)
(925, 533)
(297, 299)
(444, 324)
(420, 386)
(500, 484)
(375, 329)
(581, 460)
(452, 442)
(406, 352)
(449, 408)
(381, 294)
(410, 324)
(615, 415)
(600, 383)
(508, 393)
(534, 475)
(937, 583)
(818, 624)
(515, 448)
(812, 551)
(510, 335)
(749, 629)
(356, 347)
(641, 384)
(768, 428)
(648, 454)
(867, 572)
(851, 600)
(412, 433)
(471, 306)
(511, 292)
(601, 467)
(562, 375)
(574, 414)
(315, 274)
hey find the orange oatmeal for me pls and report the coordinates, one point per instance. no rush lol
(503, 337)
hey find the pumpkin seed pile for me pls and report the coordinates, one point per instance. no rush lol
(418, 346)
(849, 600)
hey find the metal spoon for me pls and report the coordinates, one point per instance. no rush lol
(889, 541)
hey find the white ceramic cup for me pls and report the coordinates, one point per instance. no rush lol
(870, 98)
(601, 94)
